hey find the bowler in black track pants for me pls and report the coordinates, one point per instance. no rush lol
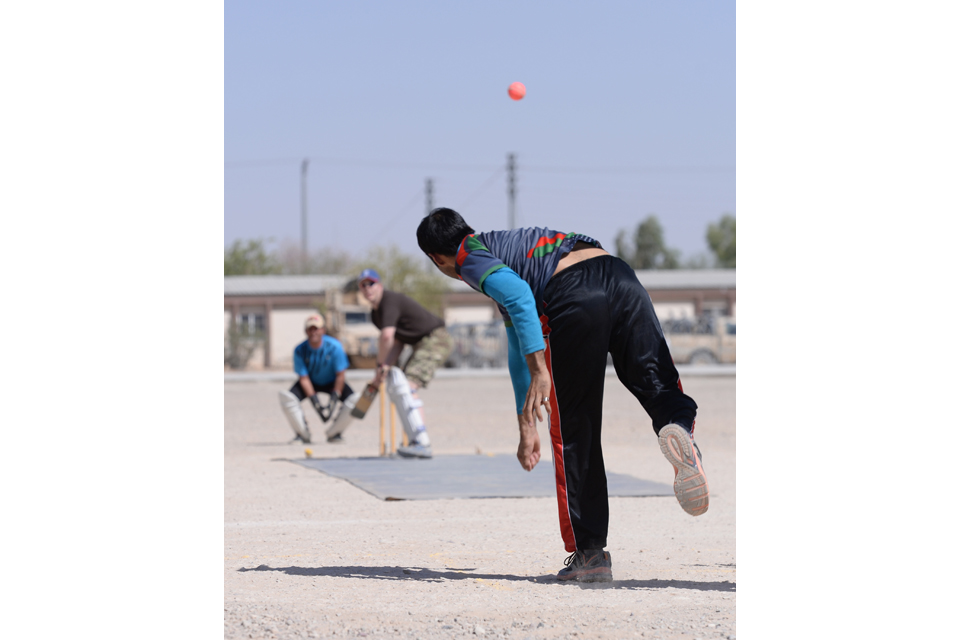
(583, 303)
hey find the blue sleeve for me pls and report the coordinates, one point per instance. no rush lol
(298, 366)
(519, 373)
(514, 295)
(340, 360)
(475, 263)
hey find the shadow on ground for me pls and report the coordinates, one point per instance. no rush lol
(432, 575)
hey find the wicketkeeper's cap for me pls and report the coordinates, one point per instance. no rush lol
(314, 321)
(369, 274)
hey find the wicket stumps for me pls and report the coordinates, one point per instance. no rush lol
(393, 424)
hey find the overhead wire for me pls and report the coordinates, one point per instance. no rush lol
(483, 187)
(478, 167)
(487, 183)
(260, 163)
(399, 214)
(389, 164)
(654, 169)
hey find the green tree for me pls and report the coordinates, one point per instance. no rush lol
(414, 276)
(649, 250)
(238, 347)
(324, 261)
(701, 260)
(622, 247)
(249, 258)
(722, 239)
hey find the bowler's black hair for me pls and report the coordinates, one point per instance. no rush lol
(441, 232)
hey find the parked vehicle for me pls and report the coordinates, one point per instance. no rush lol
(350, 323)
(708, 339)
(478, 344)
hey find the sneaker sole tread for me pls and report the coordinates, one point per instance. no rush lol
(690, 483)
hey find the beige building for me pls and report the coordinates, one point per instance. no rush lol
(274, 308)
(675, 293)
(268, 312)
(689, 293)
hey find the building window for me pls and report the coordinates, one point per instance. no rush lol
(250, 323)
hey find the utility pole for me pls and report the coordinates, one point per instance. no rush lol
(512, 190)
(429, 195)
(303, 215)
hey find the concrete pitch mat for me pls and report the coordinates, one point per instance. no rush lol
(463, 476)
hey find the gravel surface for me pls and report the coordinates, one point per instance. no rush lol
(310, 556)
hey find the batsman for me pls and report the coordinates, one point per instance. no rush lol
(320, 364)
(402, 321)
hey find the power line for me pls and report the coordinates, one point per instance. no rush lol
(387, 164)
(261, 163)
(428, 197)
(386, 227)
(705, 169)
(483, 187)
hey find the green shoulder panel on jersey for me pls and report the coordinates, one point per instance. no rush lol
(472, 244)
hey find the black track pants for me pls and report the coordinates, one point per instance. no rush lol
(592, 308)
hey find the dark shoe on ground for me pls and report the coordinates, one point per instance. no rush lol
(589, 565)
(337, 439)
(690, 483)
(415, 451)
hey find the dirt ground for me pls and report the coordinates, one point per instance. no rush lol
(307, 555)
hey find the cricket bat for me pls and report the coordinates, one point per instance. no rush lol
(366, 399)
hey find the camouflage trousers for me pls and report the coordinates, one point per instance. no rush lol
(428, 354)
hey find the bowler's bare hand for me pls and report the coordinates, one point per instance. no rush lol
(538, 398)
(536, 405)
(528, 453)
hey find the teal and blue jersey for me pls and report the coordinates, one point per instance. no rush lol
(320, 365)
(533, 253)
(513, 268)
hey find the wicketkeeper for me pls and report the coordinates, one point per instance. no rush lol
(321, 363)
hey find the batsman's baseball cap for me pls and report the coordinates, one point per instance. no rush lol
(314, 321)
(369, 274)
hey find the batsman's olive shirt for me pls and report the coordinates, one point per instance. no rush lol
(412, 321)
(320, 365)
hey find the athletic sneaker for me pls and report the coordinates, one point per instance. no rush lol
(415, 451)
(690, 483)
(589, 565)
(303, 437)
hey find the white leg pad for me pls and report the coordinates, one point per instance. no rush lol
(343, 419)
(294, 412)
(407, 407)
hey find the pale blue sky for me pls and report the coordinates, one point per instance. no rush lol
(630, 110)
